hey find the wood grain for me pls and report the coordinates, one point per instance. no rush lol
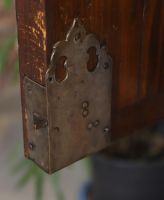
(151, 78)
(32, 41)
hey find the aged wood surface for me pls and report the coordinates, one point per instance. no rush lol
(133, 33)
(32, 46)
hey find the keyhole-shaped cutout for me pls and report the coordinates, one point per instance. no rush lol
(93, 59)
(60, 70)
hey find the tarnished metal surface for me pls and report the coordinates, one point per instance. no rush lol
(69, 118)
(36, 116)
(79, 106)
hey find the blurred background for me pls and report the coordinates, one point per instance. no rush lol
(20, 178)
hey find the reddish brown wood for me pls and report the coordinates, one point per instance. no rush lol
(153, 49)
(133, 33)
(142, 114)
(32, 47)
(32, 39)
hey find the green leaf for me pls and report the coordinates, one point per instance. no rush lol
(21, 165)
(25, 178)
(56, 182)
(8, 4)
(39, 186)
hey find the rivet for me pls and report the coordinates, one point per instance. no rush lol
(85, 104)
(106, 130)
(31, 146)
(96, 123)
(85, 113)
(46, 124)
(90, 125)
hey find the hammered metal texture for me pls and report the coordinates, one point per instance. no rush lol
(36, 106)
(79, 107)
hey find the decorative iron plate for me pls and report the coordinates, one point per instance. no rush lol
(79, 105)
(37, 124)
(70, 117)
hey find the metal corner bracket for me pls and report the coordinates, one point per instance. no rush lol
(70, 117)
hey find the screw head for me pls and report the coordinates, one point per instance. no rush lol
(31, 146)
(90, 125)
(46, 124)
(96, 123)
(85, 113)
(85, 104)
(106, 130)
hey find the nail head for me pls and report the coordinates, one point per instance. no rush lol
(85, 113)
(96, 123)
(90, 125)
(85, 104)
(106, 130)
(31, 146)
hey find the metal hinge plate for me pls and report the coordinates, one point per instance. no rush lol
(70, 118)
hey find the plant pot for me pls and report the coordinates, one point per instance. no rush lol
(115, 179)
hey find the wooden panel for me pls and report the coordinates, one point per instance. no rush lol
(151, 78)
(161, 85)
(143, 113)
(149, 107)
(128, 61)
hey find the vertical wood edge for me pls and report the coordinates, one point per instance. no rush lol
(32, 42)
